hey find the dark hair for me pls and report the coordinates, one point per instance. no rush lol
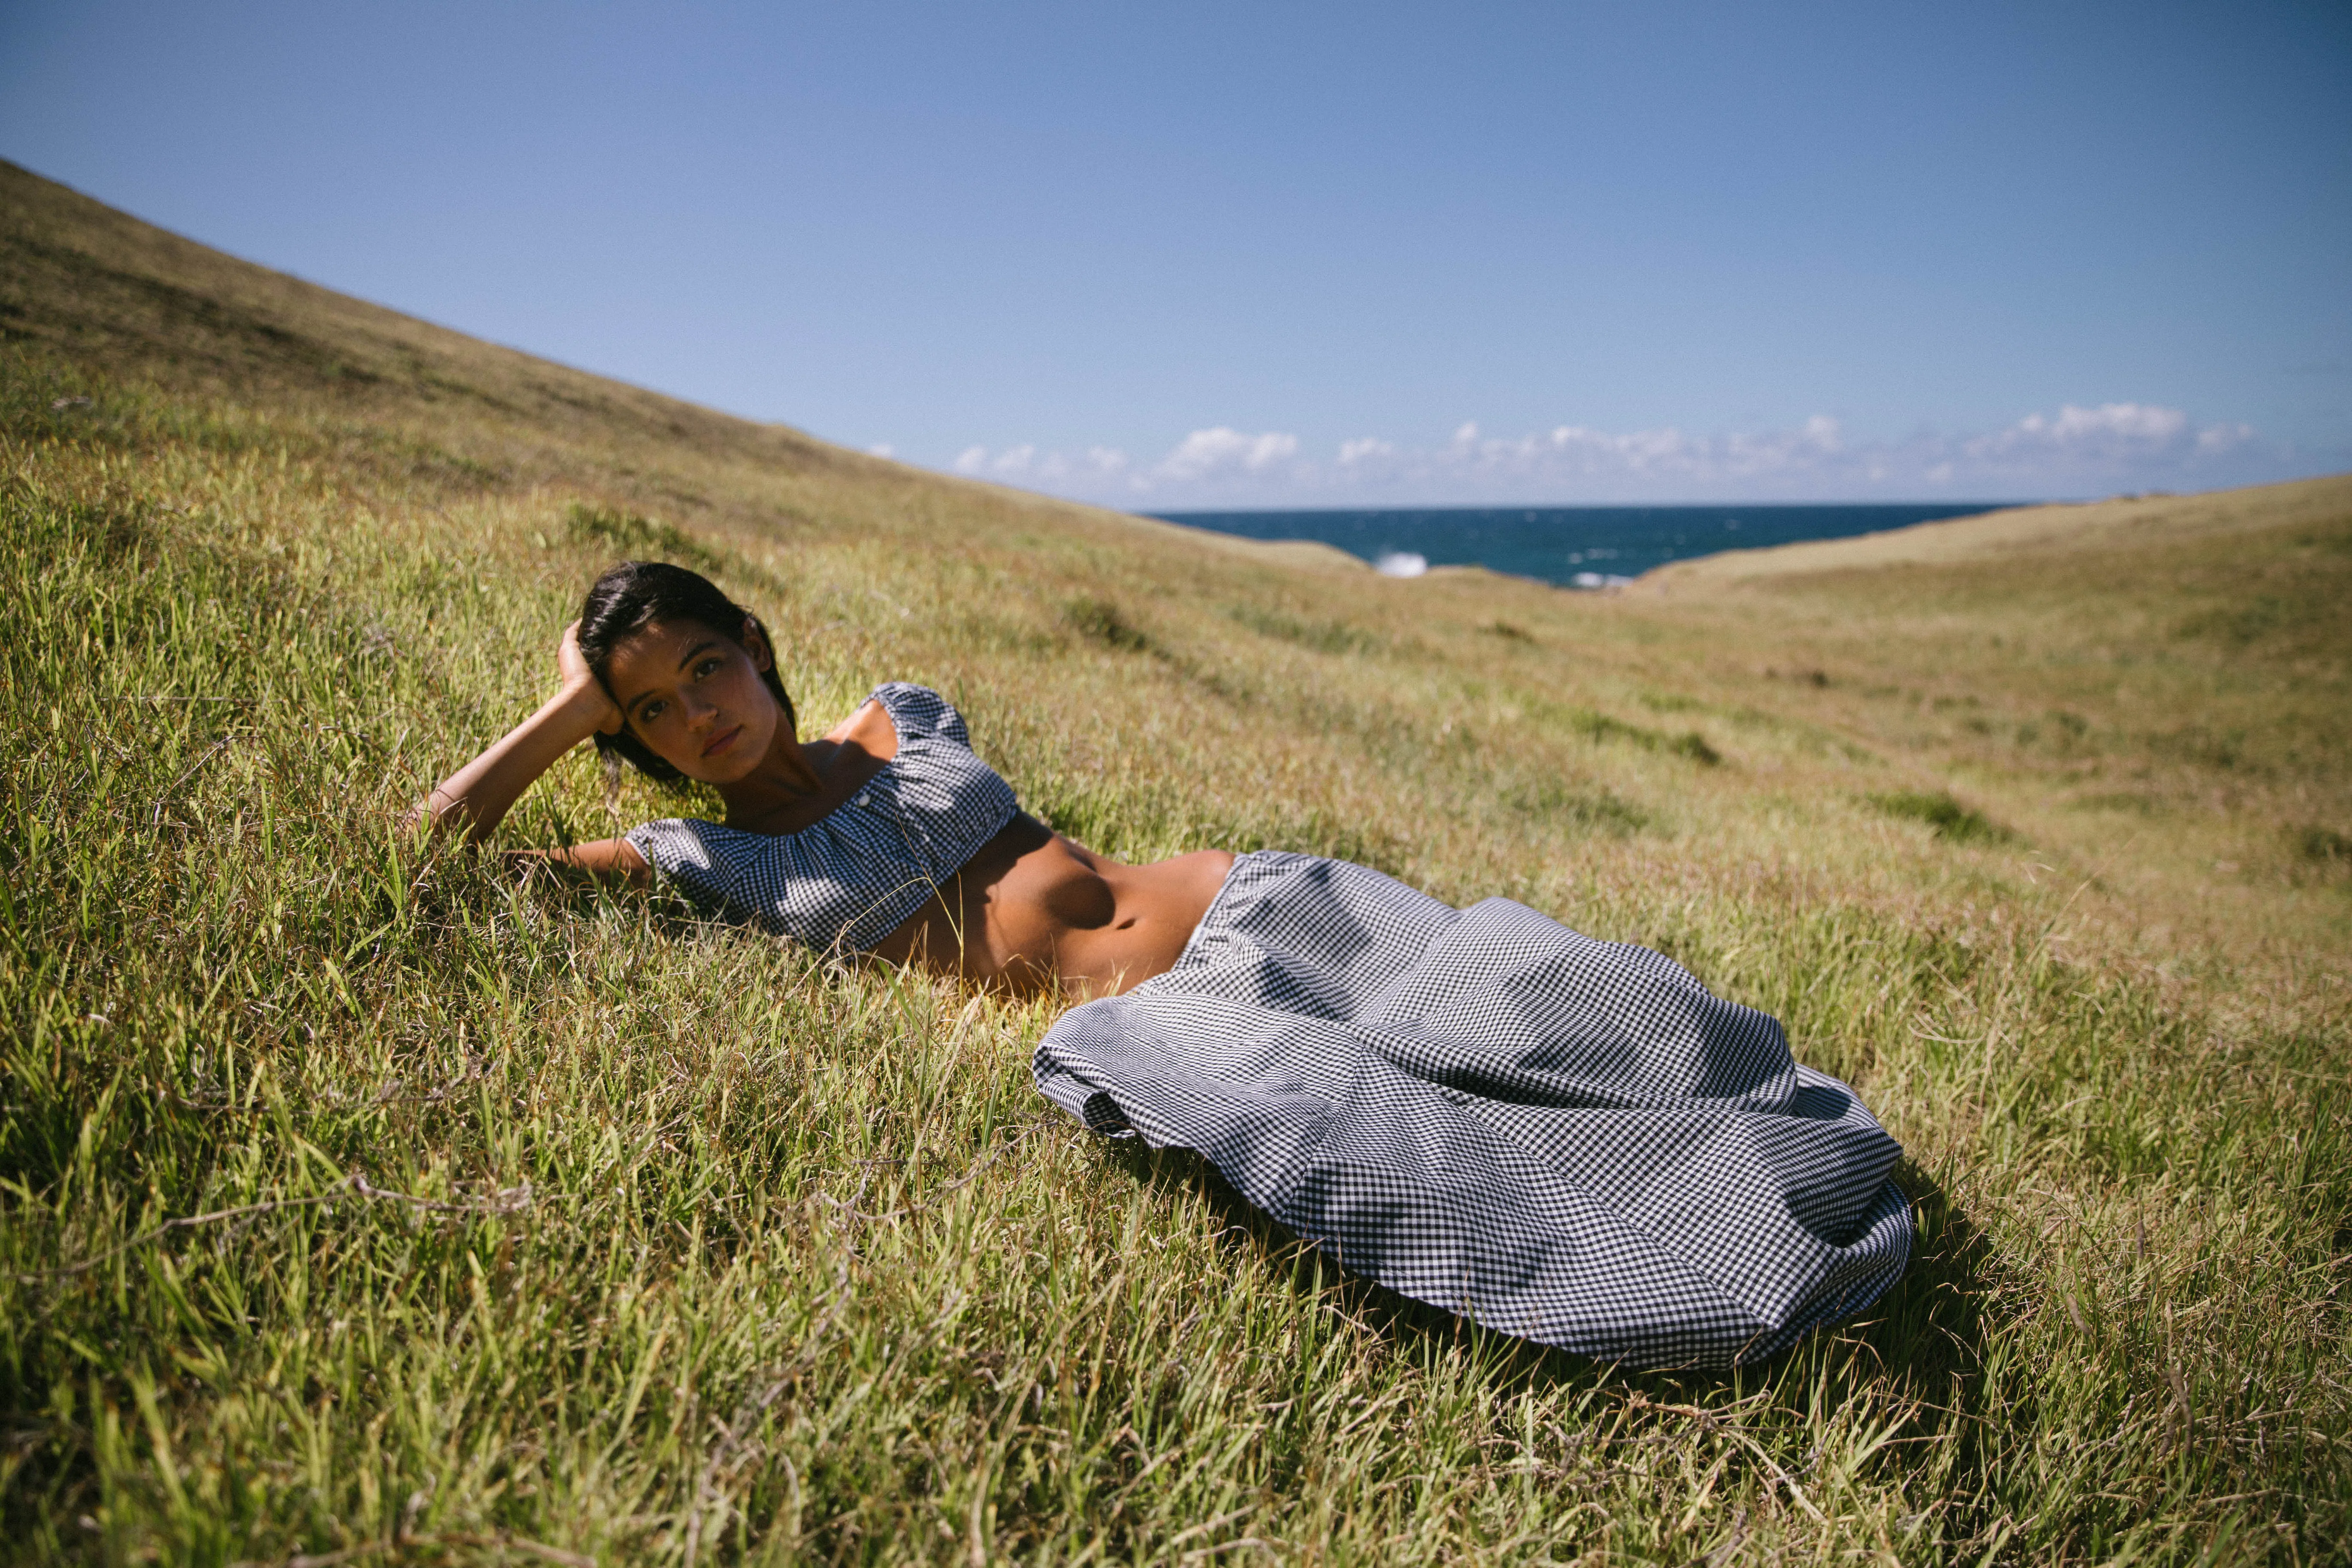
(635, 594)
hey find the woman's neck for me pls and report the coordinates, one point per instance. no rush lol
(797, 783)
(788, 784)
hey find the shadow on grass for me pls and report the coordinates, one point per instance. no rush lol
(1932, 1323)
(1924, 1333)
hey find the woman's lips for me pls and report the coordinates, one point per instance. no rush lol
(720, 742)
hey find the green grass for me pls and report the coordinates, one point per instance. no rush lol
(1948, 817)
(357, 1199)
(629, 535)
(1099, 620)
(2324, 845)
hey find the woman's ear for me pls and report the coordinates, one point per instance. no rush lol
(755, 643)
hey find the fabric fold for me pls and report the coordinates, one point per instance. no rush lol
(1564, 1139)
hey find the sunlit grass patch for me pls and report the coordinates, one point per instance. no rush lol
(515, 1219)
(2134, 803)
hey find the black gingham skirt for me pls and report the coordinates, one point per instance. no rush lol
(1563, 1139)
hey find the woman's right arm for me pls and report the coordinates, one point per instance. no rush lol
(474, 799)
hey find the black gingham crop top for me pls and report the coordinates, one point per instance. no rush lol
(858, 874)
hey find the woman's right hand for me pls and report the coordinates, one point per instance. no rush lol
(580, 684)
(474, 798)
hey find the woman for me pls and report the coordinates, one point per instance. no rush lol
(1564, 1139)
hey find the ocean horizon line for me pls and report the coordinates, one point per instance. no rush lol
(1177, 515)
(1593, 544)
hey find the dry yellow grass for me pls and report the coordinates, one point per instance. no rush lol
(2124, 523)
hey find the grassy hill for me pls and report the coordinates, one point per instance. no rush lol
(358, 1203)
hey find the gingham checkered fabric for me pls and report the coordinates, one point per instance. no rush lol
(858, 874)
(1563, 1139)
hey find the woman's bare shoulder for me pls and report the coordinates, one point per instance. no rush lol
(868, 730)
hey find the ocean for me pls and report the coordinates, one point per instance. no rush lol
(1573, 546)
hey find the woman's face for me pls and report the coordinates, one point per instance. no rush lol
(695, 696)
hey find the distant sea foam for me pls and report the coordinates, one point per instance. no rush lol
(1573, 546)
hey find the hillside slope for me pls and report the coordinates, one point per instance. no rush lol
(356, 1200)
(2122, 525)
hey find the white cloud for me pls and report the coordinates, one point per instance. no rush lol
(1050, 470)
(881, 449)
(2110, 430)
(2131, 421)
(1013, 464)
(2078, 450)
(1224, 452)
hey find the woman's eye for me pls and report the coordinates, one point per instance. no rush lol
(650, 712)
(705, 668)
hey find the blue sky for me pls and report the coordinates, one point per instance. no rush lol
(1276, 255)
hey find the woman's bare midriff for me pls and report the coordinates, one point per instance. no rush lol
(1034, 911)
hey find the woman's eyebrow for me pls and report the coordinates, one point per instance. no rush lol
(632, 704)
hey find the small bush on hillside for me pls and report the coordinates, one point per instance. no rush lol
(1595, 809)
(640, 538)
(1323, 637)
(1099, 620)
(1692, 744)
(2324, 847)
(1939, 811)
(2238, 626)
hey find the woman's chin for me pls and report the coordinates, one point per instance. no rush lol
(728, 766)
(716, 771)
